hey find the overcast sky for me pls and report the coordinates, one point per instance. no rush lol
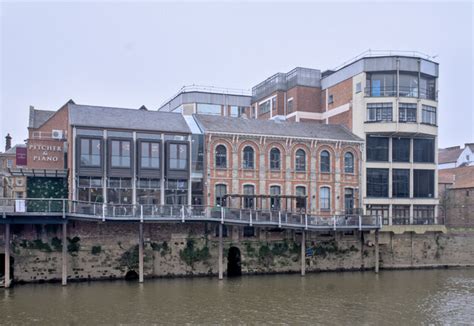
(130, 54)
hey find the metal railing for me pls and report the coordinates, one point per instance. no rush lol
(403, 91)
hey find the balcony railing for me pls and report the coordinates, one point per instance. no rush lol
(404, 91)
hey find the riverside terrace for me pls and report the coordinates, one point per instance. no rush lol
(62, 211)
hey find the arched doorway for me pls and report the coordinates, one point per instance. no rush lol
(233, 262)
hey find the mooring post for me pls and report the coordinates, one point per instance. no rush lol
(221, 246)
(64, 256)
(140, 253)
(303, 253)
(376, 251)
(7, 256)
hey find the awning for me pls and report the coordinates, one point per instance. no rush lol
(45, 173)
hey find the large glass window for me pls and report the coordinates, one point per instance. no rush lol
(119, 191)
(150, 155)
(377, 183)
(248, 159)
(176, 192)
(300, 160)
(401, 214)
(221, 156)
(249, 198)
(401, 183)
(325, 198)
(178, 156)
(377, 112)
(237, 111)
(120, 154)
(428, 114)
(264, 107)
(377, 148)
(428, 88)
(197, 153)
(221, 191)
(423, 183)
(400, 149)
(289, 106)
(408, 86)
(381, 84)
(325, 162)
(275, 160)
(348, 162)
(275, 192)
(90, 152)
(90, 190)
(423, 150)
(212, 109)
(407, 112)
(379, 210)
(148, 191)
(423, 214)
(301, 198)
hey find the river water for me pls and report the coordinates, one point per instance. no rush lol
(352, 298)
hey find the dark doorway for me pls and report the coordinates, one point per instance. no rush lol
(2, 266)
(233, 262)
(131, 275)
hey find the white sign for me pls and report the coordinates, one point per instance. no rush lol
(20, 206)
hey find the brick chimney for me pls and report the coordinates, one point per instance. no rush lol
(8, 142)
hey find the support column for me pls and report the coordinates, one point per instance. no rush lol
(376, 251)
(303, 253)
(221, 272)
(140, 253)
(64, 256)
(7, 256)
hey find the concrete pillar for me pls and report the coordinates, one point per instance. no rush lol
(376, 251)
(221, 272)
(140, 253)
(7, 256)
(303, 253)
(64, 256)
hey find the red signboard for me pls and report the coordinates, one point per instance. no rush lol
(21, 157)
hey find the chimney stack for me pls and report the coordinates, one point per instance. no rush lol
(8, 142)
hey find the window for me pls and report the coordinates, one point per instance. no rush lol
(379, 210)
(178, 156)
(377, 148)
(381, 84)
(90, 152)
(150, 155)
(264, 107)
(176, 192)
(9, 164)
(120, 154)
(221, 191)
(401, 149)
(407, 112)
(301, 198)
(349, 201)
(221, 157)
(428, 114)
(408, 85)
(289, 107)
(423, 150)
(237, 111)
(358, 87)
(401, 214)
(249, 192)
(348, 162)
(274, 159)
(119, 191)
(300, 160)
(428, 88)
(248, 160)
(325, 198)
(90, 190)
(148, 193)
(274, 104)
(330, 99)
(377, 112)
(275, 192)
(423, 214)
(212, 109)
(423, 183)
(401, 183)
(325, 162)
(377, 183)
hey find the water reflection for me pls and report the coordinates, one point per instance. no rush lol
(391, 298)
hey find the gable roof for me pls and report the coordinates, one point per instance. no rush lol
(449, 155)
(38, 117)
(460, 178)
(120, 118)
(213, 123)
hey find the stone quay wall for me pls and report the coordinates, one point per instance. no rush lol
(110, 250)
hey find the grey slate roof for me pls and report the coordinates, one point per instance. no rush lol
(212, 123)
(108, 117)
(38, 117)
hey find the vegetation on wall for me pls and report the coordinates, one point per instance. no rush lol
(37, 244)
(73, 245)
(57, 244)
(96, 250)
(129, 258)
(163, 248)
(191, 254)
(46, 188)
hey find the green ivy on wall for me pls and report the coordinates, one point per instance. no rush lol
(39, 187)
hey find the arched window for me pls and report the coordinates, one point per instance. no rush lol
(275, 159)
(275, 192)
(221, 156)
(221, 191)
(300, 160)
(249, 192)
(248, 160)
(325, 160)
(349, 162)
(301, 198)
(325, 198)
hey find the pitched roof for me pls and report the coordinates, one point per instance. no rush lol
(461, 177)
(109, 117)
(449, 155)
(214, 123)
(38, 117)
(12, 150)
